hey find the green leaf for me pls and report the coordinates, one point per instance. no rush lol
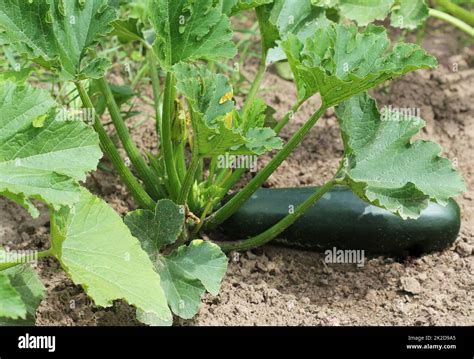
(365, 11)
(27, 284)
(42, 156)
(18, 77)
(190, 31)
(384, 168)
(283, 17)
(11, 304)
(339, 62)
(156, 230)
(128, 30)
(56, 33)
(232, 7)
(409, 14)
(98, 251)
(188, 272)
(215, 129)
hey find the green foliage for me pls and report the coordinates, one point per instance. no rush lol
(384, 168)
(27, 290)
(190, 31)
(98, 252)
(57, 33)
(154, 258)
(339, 62)
(42, 155)
(217, 128)
(187, 272)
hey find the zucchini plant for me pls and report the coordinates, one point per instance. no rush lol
(156, 258)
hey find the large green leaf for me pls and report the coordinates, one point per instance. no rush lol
(190, 30)
(216, 132)
(384, 168)
(57, 33)
(11, 304)
(26, 283)
(42, 156)
(98, 251)
(188, 271)
(339, 62)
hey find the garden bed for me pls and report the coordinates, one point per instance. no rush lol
(278, 286)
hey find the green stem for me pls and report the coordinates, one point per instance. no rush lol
(41, 254)
(166, 138)
(284, 121)
(144, 171)
(461, 25)
(239, 199)
(155, 83)
(143, 70)
(262, 67)
(142, 198)
(279, 227)
(456, 10)
(189, 179)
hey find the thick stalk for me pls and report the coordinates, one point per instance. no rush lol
(166, 139)
(239, 199)
(189, 179)
(279, 227)
(144, 171)
(456, 10)
(461, 25)
(20, 259)
(142, 198)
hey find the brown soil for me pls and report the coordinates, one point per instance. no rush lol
(278, 286)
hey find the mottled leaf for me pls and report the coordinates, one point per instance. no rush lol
(339, 62)
(384, 168)
(190, 31)
(56, 33)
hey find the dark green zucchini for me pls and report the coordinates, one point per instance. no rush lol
(342, 220)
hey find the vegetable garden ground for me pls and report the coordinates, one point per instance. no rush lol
(278, 286)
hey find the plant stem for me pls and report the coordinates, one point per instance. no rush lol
(19, 261)
(155, 83)
(142, 198)
(284, 121)
(461, 25)
(144, 171)
(262, 67)
(456, 10)
(166, 138)
(189, 179)
(239, 199)
(279, 227)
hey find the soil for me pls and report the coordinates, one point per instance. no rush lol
(279, 286)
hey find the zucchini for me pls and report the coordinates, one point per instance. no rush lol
(342, 220)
